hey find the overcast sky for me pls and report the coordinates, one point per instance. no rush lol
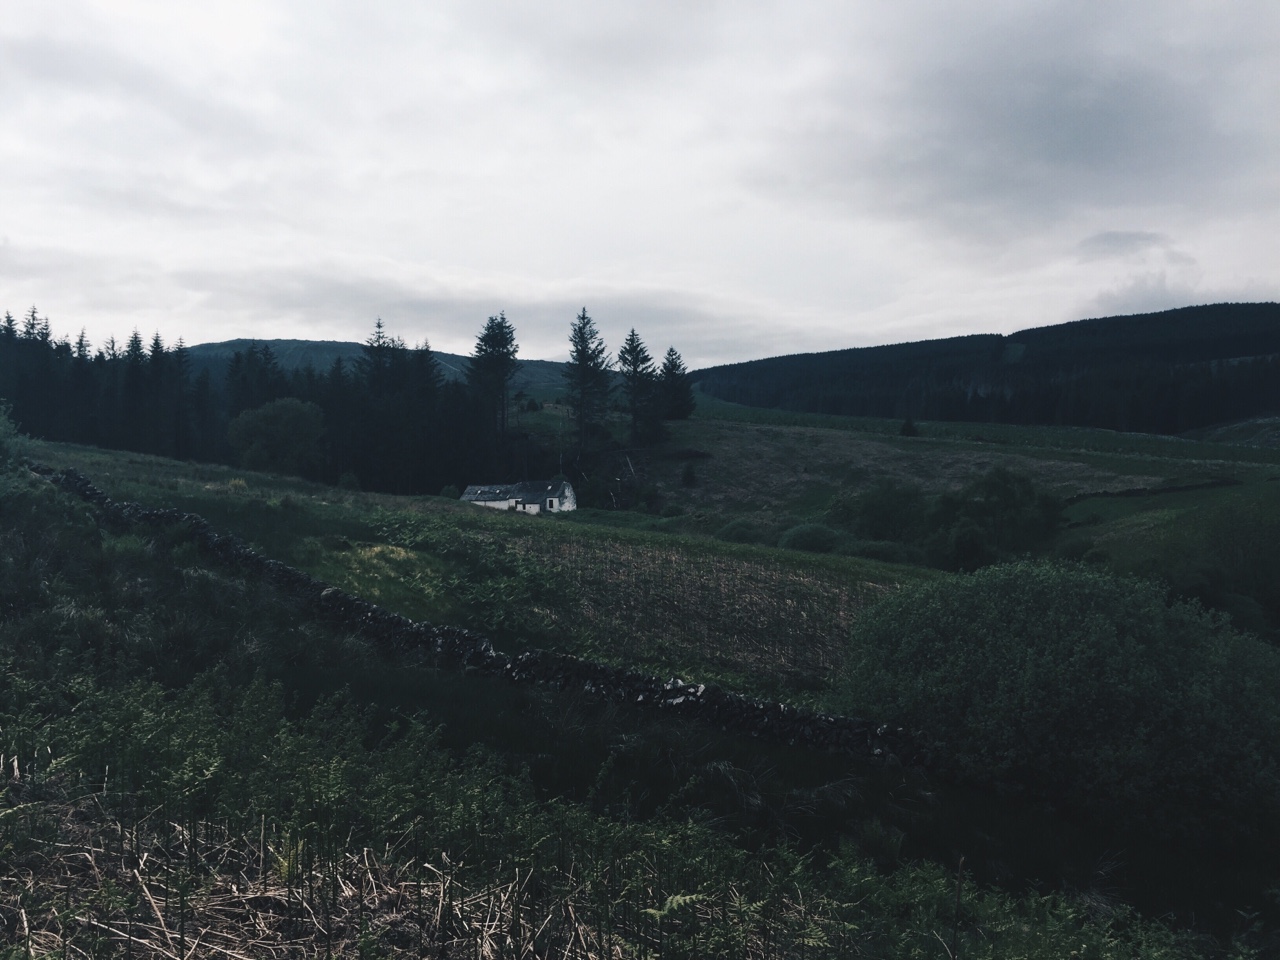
(739, 179)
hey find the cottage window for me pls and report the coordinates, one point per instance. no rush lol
(551, 503)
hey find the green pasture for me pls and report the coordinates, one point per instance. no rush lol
(182, 696)
(1075, 439)
(760, 620)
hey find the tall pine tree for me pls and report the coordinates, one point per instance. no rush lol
(674, 389)
(492, 368)
(639, 380)
(586, 376)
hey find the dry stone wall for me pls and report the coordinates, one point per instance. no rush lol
(472, 653)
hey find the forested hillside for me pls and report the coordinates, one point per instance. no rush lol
(1166, 372)
(380, 415)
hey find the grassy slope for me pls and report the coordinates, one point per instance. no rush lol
(417, 556)
(656, 593)
(762, 621)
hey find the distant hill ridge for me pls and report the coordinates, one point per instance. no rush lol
(1165, 372)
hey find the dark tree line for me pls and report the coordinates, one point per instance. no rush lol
(132, 397)
(650, 395)
(1159, 373)
(388, 420)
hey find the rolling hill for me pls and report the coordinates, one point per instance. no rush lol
(320, 354)
(1167, 372)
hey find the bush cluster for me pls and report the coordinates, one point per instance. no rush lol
(1083, 688)
(1000, 515)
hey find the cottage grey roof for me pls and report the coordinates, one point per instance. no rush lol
(525, 491)
(484, 494)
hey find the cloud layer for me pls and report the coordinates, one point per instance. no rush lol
(739, 180)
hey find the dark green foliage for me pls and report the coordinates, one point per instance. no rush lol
(640, 388)
(1222, 550)
(811, 537)
(1166, 372)
(253, 378)
(391, 419)
(586, 376)
(8, 435)
(203, 717)
(999, 515)
(283, 436)
(492, 368)
(1085, 690)
(908, 428)
(383, 420)
(675, 388)
(890, 510)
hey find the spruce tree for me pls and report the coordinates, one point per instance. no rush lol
(133, 395)
(493, 366)
(639, 380)
(383, 444)
(35, 327)
(378, 359)
(674, 388)
(586, 376)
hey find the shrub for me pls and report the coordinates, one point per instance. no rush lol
(283, 436)
(812, 537)
(1083, 688)
(1000, 514)
(8, 434)
(450, 492)
(890, 510)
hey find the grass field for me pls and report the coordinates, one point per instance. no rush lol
(658, 591)
(763, 621)
(526, 779)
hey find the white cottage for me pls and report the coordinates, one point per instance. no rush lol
(532, 496)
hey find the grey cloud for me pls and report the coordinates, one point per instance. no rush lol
(1144, 247)
(118, 106)
(1120, 243)
(606, 45)
(1030, 115)
(1154, 290)
(1144, 293)
(120, 293)
(333, 303)
(509, 148)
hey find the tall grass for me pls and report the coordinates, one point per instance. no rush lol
(186, 774)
